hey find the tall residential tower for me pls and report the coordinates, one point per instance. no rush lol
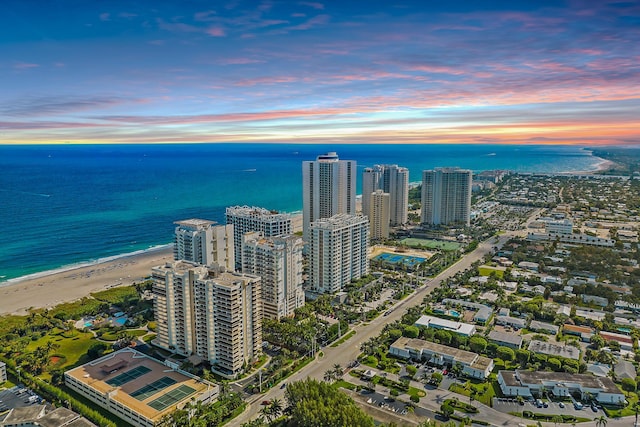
(391, 179)
(328, 189)
(446, 196)
(278, 262)
(200, 311)
(246, 219)
(338, 249)
(203, 242)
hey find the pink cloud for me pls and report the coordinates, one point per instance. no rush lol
(310, 23)
(105, 16)
(216, 32)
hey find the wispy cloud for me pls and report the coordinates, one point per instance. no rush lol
(19, 65)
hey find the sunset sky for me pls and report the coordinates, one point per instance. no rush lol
(81, 71)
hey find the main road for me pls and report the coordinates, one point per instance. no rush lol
(349, 350)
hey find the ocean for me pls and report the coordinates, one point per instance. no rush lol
(64, 205)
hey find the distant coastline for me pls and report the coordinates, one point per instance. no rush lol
(125, 206)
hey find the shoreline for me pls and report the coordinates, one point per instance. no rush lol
(66, 284)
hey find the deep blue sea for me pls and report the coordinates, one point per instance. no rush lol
(64, 205)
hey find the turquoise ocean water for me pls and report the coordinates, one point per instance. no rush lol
(65, 205)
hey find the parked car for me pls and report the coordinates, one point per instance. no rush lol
(561, 405)
(578, 405)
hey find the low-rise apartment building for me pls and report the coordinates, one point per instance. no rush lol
(473, 365)
(535, 383)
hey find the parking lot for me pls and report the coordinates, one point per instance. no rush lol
(17, 397)
(507, 405)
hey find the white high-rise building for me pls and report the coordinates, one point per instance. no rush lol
(338, 249)
(278, 262)
(328, 189)
(200, 311)
(391, 179)
(203, 242)
(251, 218)
(379, 215)
(446, 196)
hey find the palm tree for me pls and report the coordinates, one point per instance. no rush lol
(276, 408)
(329, 376)
(601, 421)
(337, 370)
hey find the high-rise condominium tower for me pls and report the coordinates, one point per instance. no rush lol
(391, 179)
(278, 262)
(200, 311)
(203, 242)
(379, 215)
(338, 249)
(328, 189)
(246, 219)
(446, 196)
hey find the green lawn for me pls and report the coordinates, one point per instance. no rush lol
(113, 335)
(482, 395)
(430, 244)
(73, 345)
(344, 384)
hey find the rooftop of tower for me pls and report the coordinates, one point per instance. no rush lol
(195, 222)
(331, 155)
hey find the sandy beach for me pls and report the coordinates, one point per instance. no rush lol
(50, 290)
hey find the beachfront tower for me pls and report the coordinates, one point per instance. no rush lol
(278, 262)
(250, 218)
(446, 196)
(379, 215)
(391, 179)
(211, 314)
(338, 248)
(328, 189)
(202, 242)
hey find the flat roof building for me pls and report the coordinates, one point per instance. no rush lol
(506, 339)
(561, 384)
(538, 326)
(473, 364)
(137, 388)
(566, 351)
(584, 332)
(464, 329)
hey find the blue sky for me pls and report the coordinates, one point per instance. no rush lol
(326, 72)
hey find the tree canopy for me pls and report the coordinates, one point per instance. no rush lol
(314, 404)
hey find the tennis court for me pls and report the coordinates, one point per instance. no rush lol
(151, 389)
(130, 375)
(171, 397)
(408, 260)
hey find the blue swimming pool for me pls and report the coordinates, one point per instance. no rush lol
(120, 321)
(454, 313)
(408, 260)
(88, 324)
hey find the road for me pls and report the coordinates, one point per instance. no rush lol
(349, 351)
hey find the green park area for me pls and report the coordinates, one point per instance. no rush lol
(430, 244)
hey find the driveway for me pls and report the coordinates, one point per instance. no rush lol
(510, 405)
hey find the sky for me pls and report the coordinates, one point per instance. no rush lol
(532, 72)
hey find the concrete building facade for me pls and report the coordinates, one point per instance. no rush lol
(328, 189)
(391, 179)
(379, 215)
(446, 196)
(473, 365)
(338, 252)
(278, 262)
(250, 218)
(202, 242)
(201, 311)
